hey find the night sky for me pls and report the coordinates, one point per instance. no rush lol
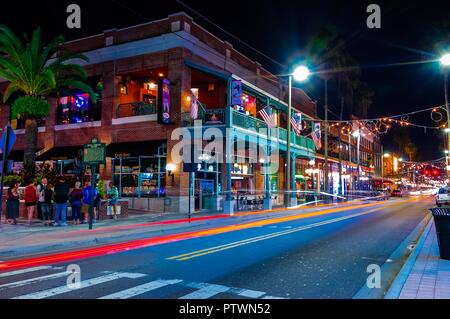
(280, 29)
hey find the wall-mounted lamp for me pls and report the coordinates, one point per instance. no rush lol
(170, 168)
(123, 88)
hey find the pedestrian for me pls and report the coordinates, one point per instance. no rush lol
(31, 198)
(12, 204)
(41, 188)
(75, 198)
(97, 205)
(113, 196)
(47, 205)
(87, 202)
(61, 197)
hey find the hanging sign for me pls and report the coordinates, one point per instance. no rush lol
(164, 101)
(236, 92)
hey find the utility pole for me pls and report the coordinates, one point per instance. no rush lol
(288, 152)
(447, 108)
(326, 138)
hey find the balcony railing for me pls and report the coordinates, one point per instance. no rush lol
(135, 109)
(245, 121)
(208, 117)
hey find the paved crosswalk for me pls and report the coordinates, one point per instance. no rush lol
(51, 282)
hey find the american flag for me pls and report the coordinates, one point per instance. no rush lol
(296, 121)
(269, 117)
(194, 107)
(317, 136)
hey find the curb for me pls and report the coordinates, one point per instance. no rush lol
(397, 285)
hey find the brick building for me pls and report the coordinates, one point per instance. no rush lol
(167, 64)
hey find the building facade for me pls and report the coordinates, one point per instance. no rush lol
(161, 78)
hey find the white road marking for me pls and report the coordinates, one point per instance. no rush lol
(205, 291)
(272, 297)
(248, 293)
(83, 284)
(23, 271)
(247, 241)
(141, 289)
(34, 280)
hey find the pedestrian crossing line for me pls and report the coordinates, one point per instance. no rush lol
(204, 291)
(83, 284)
(232, 290)
(215, 249)
(34, 280)
(141, 289)
(26, 270)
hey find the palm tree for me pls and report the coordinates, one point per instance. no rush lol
(36, 71)
(410, 150)
(327, 50)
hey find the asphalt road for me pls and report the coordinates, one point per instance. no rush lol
(322, 256)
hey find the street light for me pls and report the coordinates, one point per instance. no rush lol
(445, 62)
(445, 59)
(357, 134)
(301, 74)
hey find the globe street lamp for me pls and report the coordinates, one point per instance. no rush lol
(300, 74)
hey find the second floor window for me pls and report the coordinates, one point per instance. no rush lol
(78, 107)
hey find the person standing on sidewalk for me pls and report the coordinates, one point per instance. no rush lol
(87, 202)
(41, 188)
(12, 204)
(47, 205)
(113, 195)
(61, 197)
(75, 198)
(31, 198)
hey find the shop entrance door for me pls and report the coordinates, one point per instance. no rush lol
(204, 191)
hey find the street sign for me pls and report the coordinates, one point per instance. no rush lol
(7, 140)
(94, 153)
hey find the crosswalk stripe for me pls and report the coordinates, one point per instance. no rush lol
(34, 280)
(141, 289)
(249, 293)
(26, 270)
(83, 284)
(205, 291)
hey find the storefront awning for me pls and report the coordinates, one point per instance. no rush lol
(60, 153)
(134, 149)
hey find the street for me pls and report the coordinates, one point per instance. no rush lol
(310, 256)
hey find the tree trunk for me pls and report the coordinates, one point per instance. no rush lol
(31, 133)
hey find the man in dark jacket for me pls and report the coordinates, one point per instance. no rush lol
(61, 198)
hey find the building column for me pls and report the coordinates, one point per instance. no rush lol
(228, 205)
(293, 195)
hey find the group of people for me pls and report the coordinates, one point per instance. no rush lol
(49, 199)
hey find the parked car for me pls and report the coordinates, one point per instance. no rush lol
(397, 193)
(442, 197)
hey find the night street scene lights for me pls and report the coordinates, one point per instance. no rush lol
(301, 73)
(445, 60)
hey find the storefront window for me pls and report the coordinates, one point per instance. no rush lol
(143, 176)
(248, 105)
(78, 107)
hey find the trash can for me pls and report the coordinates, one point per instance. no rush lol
(442, 223)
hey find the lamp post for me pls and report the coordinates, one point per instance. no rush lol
(300, 74)
(357, 135)
(445, 62)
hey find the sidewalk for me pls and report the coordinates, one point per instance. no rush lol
(425, 275)
(22, 240)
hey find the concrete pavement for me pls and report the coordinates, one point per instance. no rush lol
(425, 275)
